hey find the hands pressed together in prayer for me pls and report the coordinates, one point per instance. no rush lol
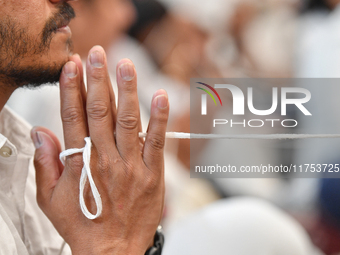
(128, 171)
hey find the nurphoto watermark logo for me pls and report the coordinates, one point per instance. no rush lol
(240, 101)
(242, 113)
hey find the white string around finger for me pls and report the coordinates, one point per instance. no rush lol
(86, 171)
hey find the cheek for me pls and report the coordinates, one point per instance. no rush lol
(36, 26)
(30, 15)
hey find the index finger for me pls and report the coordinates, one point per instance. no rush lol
(72, 110)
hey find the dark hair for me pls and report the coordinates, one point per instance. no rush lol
(315, 5)
(148, 12)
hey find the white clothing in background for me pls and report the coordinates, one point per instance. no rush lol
(238, 226)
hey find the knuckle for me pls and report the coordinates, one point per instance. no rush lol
(128, 86)
(129, 173)
(70, 84)
(163, 119)
(98, 75)
(41, 160)
(160, 120)
(128, 121)
(151, 184)
(75, 163)
(97, 110)
(71, 115)
(104, 163)
(156, 142)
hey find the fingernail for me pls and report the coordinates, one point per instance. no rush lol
(70, 69)
(97, 59)
(127, 71)
(162, 101)
(37, 140)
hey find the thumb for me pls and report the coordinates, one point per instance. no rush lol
(47, 165)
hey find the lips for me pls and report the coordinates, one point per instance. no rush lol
(58, 22)
(62, 18)
(63, 23)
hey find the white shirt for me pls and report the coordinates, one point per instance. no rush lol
(24, 229)
(238, 226)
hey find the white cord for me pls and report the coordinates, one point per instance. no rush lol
(86, 171)
(177, 135)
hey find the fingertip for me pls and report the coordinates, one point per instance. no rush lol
(33, 130)
(124, 61)
(160, 99)
(36, 138)
(76, 56)
(69, 76)
(40, 139)
(76, 59)
(97, 57)
(48, 132)
(161, 102)
(96, 48)
(127, 71)
(159, 92)
(70, 69)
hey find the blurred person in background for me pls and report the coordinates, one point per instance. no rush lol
(173, 50)
(318, 28)
(170, 48)
(238, 226)
(263, 33)
(174, 44)
(256, 40)
(101, 22)
(317, 55)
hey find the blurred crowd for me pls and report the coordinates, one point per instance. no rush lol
(171, 41)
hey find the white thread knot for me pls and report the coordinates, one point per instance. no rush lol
(85, 173)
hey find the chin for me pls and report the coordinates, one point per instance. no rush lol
(45, 70)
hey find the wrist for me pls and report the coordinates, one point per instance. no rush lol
(132, 246)
(96, 247)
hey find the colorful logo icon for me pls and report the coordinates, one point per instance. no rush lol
(209, 93)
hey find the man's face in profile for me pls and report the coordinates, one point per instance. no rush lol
(35, 41)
